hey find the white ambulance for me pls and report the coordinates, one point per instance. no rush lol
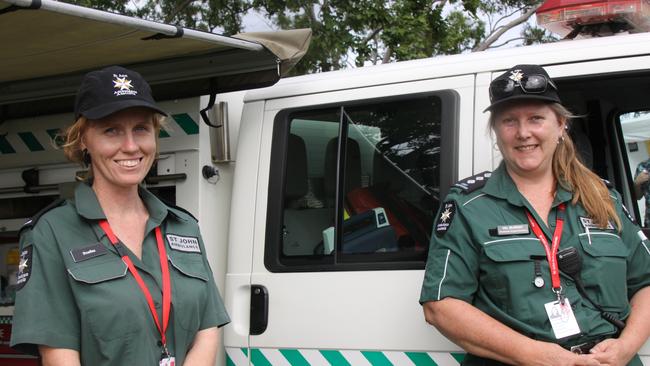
(316, 196)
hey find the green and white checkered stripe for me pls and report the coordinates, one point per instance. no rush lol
(312, 357)
(27, 141)
(42, 140)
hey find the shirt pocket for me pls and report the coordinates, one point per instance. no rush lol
(189, 277)
(604, 269)
(105, 296)
(508, 273)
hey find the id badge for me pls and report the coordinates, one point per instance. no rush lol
(168, 361)
(562, 319)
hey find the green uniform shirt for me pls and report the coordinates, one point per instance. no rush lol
(75, 291)
(469, 261)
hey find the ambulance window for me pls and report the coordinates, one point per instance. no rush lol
(369, 170)
(636, 135)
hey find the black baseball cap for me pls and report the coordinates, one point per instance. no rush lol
(106, 91)
(522, 82)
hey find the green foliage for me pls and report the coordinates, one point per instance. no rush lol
(345, 33)
(534, 35)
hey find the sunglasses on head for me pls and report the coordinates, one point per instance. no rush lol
(529, 84)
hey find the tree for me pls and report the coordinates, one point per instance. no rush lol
(354, 33)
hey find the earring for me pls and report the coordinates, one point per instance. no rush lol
(85, 157)
(560, 139)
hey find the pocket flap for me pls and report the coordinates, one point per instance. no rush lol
(190, 266)
(99, 272)
(603, 244)
(513, 249)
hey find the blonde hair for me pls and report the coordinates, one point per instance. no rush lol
(72, 136)
(588, 188)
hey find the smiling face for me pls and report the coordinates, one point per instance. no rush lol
(527, 135)
(122, 147)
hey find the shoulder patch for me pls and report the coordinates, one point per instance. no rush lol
(447, 214)
(31, 222)
(474, 182)
(24, 267)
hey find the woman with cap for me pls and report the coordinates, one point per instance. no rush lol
(115, 276)
(538, 258)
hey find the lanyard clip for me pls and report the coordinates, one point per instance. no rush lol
(560, 294)
(165, 353)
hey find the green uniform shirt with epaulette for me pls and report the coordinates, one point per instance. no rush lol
(75, 291)
(483, 252)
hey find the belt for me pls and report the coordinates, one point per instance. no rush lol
(584, 348)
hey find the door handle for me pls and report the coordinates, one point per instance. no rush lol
(259, 309)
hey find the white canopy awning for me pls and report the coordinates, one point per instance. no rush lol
(47, 46)
(636, 129)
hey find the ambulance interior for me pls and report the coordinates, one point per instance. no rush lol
(612, 130)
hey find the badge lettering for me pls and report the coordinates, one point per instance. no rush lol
(88, 252)
(184, 243)
(503, 230)
(588, 223)
(24, 267)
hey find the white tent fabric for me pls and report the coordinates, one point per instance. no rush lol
(47, 46)
(636, 129)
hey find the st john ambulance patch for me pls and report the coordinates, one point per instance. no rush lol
(24, 267)
(446, 216)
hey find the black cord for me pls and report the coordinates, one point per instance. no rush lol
(613, 319)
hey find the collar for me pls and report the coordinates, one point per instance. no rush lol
(88, 206)
(501, 185)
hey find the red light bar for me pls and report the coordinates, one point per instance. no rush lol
(563, 16)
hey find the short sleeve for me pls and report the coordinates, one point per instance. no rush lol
(45, 312)
(452, 263)
(214, 311)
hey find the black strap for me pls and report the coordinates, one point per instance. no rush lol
(213, 98)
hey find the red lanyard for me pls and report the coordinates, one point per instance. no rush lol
(551, 253)
(166, 290)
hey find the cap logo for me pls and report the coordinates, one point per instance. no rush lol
(122, 85)
(516, 75)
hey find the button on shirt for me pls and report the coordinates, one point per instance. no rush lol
(471, 262)
(78, 299)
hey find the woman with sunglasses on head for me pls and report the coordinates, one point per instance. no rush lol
(537, 263)
(114, 276)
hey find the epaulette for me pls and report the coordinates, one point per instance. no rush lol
(34, 219)
(174, 207)
(607, 183)
(474, 182)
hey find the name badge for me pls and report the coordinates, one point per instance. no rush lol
(168, 361)
(184, 243)
(85, 253)
(588, 223)
(504, 230)
(562, 319)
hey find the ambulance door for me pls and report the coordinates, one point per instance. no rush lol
(343, 221)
